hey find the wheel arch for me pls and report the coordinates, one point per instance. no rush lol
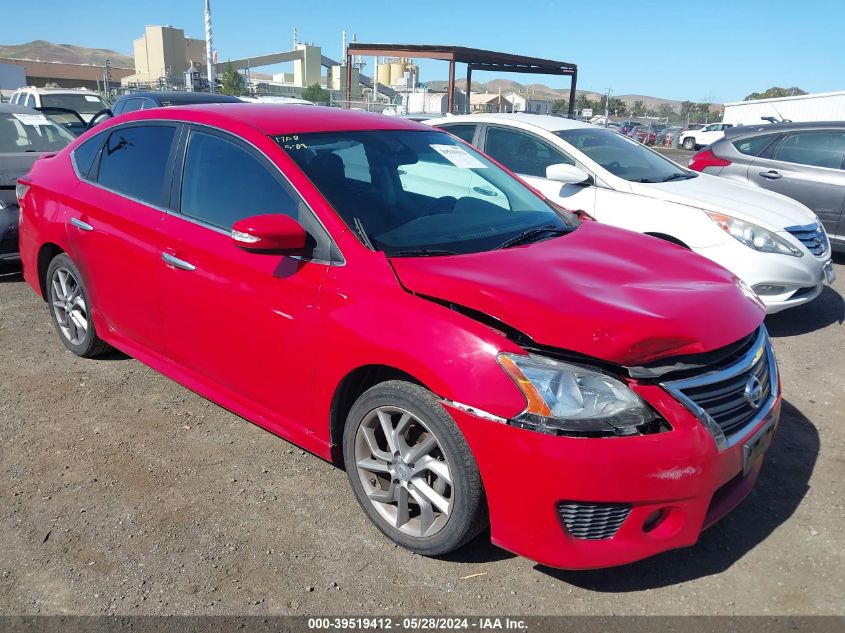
(349, 389)
(46, 253)
(668, 238)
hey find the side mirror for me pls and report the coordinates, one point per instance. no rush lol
(567, 174)
(272, 232)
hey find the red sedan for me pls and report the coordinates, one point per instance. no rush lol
(386, 297)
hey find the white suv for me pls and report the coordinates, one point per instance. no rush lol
(86, 102)
(693, 139)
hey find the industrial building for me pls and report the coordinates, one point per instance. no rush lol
(822, 106)
(60, 74)
(162, 56)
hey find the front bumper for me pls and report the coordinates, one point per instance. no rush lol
(803, 277)
(9, 250)
(679, 475)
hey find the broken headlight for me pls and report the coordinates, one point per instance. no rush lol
(574, 400)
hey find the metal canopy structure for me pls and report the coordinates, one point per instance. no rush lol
(474, 58)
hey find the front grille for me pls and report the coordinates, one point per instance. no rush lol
(593, 521)
(731, 398)
(813, 237)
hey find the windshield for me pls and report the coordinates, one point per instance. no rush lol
(82, 103)
(624, 157)
(25, 132)
(409, 192)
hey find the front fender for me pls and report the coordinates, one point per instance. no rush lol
(370, 319)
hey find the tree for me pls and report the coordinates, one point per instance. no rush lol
(232, 82)
(316, 94)
(560, 106)
(665, 111)
(638, 109)
(775, 92)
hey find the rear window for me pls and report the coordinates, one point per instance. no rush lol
(82, 103)
(25, 132)
(753, 146)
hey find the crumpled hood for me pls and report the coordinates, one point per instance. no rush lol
(712, 193)
(601, 291)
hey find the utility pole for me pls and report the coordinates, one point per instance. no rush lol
(208, 54)
(107, 78)
(607, 105)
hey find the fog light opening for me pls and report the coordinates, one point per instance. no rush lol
(769, 289)
(654, 519)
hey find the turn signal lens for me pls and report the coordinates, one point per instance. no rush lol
(536, 404)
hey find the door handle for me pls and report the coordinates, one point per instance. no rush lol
(181, 264)
(771, 174)
(82, 226)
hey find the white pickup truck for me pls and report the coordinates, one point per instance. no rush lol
(693, 139)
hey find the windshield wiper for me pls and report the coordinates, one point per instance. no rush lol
(531, 235)
(421, 252)
(678, 176)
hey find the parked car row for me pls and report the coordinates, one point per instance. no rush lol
(773, 243)
(417, 304)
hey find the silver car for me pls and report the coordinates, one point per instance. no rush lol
(25, 136)
(805, 161)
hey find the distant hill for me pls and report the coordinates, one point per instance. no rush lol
(543, 90)
(44, 51)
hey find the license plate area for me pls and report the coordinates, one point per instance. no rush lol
(829, 272)
(756, 446)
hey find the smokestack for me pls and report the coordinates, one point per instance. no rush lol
(208, 51)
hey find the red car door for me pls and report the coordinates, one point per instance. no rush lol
(240, 323)
(113, 220)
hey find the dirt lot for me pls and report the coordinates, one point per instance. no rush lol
(125, 493)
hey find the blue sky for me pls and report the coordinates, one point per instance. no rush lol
(675, 49)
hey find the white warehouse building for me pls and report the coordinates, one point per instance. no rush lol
(822, 106)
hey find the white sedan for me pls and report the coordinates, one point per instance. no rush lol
(773, 243)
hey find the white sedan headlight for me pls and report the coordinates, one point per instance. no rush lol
(573, 400)
(754, 236)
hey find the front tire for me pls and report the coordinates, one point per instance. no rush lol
(412, 470)
(689, 143)
(70, 310)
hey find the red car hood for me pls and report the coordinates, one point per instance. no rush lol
(600, 291)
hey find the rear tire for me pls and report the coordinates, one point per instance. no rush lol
(689, 143)
(70, 309)
(412, 470)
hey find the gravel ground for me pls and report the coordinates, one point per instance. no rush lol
(123, 493)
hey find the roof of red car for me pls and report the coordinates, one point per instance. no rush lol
(274, 118)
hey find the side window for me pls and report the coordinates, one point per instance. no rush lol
(134, 162)
(15, 97)
(817, 149)
(85, 155)
(223, 183)
(465, 132)
(117, 108)
(146, 104)
(753, 146)
(30, 101)
(523, 153)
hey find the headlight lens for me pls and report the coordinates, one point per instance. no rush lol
(754, 236)
(574, 400)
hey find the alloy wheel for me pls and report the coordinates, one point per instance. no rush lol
(404, 471)
(69, 306)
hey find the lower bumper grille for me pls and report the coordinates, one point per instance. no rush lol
(592, 521)
(813, 237)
